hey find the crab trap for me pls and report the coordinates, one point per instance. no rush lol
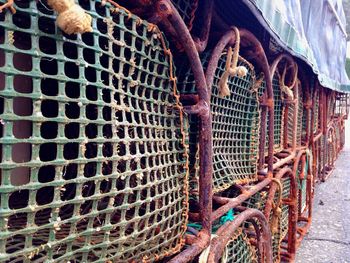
(94, 156)
(235, 125)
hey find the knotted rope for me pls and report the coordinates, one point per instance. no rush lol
(231, 68)
(72, 18)
(277, 211)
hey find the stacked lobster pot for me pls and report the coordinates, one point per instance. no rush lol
(156, 131)
(94, 152)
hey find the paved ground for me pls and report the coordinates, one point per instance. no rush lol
(329, 238)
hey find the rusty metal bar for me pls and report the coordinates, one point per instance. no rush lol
(201, 42)
(229, 203)
(226, 232)
(293, 215)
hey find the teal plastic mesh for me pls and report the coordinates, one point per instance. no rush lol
(93, 159)
(239, 250)
(258, 201)
(235, 126)
(285, 208)
(331, 148)
(278, 114)
(302, 188)
(331, 106)
(321, 153)
(341, 104)
(301, 122)
(316, 111)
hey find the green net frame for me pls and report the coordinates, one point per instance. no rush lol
(341, 104)
(258, 201)
(337, 128)
(331, 148)
(236, 123)
(104, 170)
(331, 106)
(301, 119)
(316, 111)
(285, 208)
(239, 249)
(302, 188)
(322, 152)
(278, 114)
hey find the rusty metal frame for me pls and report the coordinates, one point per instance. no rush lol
(292, 152)
(226, 231)
(306, 216)
(289, 254)
(168, 17)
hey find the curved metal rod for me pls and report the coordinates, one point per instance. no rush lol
(307, 103)
(273, 69)
(172, 19)
(226, 231)
(290, 60)
(258, 55)
(201, 42)
(292, 202)
(229, 203)
(303, 230)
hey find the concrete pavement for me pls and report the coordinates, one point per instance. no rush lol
(329, 238)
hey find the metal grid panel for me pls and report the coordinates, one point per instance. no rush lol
(101, 171)
(278, 114)
(239, 250)
(235, 126)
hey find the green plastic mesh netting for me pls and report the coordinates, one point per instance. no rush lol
(331, 106)
(337, 134)
(316, 111)
(239, 249)
(300, 124)
(278, 114)
(331, 148)
(186, 9)
(258, 201)
(94, 159)
(302, 188)
(321, 152)
(341, 104)
(235, 126)
(285, 208)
